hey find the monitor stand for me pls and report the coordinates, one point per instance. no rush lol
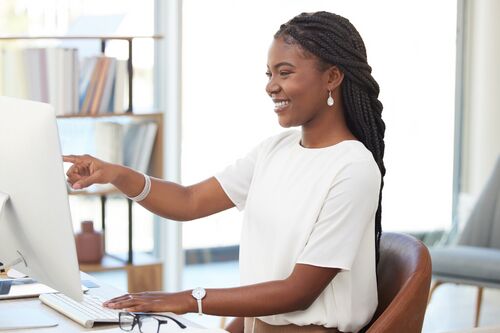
(3, 199)
(25, 318)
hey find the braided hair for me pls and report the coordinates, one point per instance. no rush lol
(335, 41)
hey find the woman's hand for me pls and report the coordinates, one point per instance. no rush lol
(87, 170)
(179, 303)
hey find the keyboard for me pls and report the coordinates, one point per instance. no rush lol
(85, 313)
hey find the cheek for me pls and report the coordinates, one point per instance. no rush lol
(300, 93)
(308, 98)
(305, 89)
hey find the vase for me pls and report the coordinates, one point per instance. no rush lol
(89, 244)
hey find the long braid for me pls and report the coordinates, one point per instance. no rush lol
(335, 41)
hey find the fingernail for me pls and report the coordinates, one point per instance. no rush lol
(77, 186)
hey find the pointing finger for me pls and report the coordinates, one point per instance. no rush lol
(70, 158)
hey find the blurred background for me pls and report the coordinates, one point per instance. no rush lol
(436, 64)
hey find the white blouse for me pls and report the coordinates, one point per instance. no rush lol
(315, 207)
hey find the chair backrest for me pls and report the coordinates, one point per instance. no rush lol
(482, 228)
(404, 277)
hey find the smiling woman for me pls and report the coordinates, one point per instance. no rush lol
(311, 197)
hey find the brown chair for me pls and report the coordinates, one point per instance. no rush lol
(404, 277)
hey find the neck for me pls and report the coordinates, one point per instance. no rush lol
(327, 130)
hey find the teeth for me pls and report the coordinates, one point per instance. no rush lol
(281, 104)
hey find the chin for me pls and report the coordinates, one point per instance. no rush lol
(285, 124)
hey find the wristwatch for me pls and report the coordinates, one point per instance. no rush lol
(198, 294)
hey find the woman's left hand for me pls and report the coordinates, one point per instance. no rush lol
(179, 303)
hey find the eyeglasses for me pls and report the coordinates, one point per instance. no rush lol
(128, 320)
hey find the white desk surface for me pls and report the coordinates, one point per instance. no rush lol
(65, 324)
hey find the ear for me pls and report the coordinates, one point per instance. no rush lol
(335, 77)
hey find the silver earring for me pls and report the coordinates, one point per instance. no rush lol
(330, 100)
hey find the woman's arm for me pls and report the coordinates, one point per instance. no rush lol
(167, 199)
(174, 201)
(297, 292)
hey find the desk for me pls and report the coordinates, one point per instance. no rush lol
(66, 325)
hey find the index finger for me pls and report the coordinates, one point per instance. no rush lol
(70, 158)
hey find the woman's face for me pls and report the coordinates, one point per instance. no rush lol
(296, 85)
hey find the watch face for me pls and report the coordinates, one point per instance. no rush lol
(199, 293)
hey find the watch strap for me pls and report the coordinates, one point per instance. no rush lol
(200, 308)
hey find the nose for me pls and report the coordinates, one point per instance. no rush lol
(272, 87)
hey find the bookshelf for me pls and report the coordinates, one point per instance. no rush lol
(144, 272)
(103, 41)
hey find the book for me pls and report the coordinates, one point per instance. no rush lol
(52, 79)
(55, 75)
(75, 79)
(129, 142)
(147, 142)
(44, 87)
(107, 89)
(30, 59)
(138, 142)
(109, 141)
(92, 85)
(101, 78)
(120, 91)
(87, 66)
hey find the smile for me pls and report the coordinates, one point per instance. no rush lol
(280, 105)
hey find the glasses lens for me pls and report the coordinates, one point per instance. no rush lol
(126, 321)
(148, 324)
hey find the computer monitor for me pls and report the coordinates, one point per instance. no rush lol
(35, 222)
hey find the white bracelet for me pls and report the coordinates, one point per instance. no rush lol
(145, 191)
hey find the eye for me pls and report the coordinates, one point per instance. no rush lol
(268, 74)
(284, 73)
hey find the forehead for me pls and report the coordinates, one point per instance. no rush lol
(280, 51)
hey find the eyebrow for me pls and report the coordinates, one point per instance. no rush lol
(283, 63)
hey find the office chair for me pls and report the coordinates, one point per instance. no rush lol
(404, 277)
(475, 259)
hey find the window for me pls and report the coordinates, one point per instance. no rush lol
(411, 48)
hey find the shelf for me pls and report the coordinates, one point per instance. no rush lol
(109, 115)
(144, 272)
(103, 40)
(102, 37)
(112, 263)
(156, 163)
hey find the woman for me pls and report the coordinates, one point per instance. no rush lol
(311, 197)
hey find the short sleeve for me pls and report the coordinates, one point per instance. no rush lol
(235, 179)
(349, 209)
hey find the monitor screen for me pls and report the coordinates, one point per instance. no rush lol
(36, 231)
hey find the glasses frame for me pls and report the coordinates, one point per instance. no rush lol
(138, 315)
